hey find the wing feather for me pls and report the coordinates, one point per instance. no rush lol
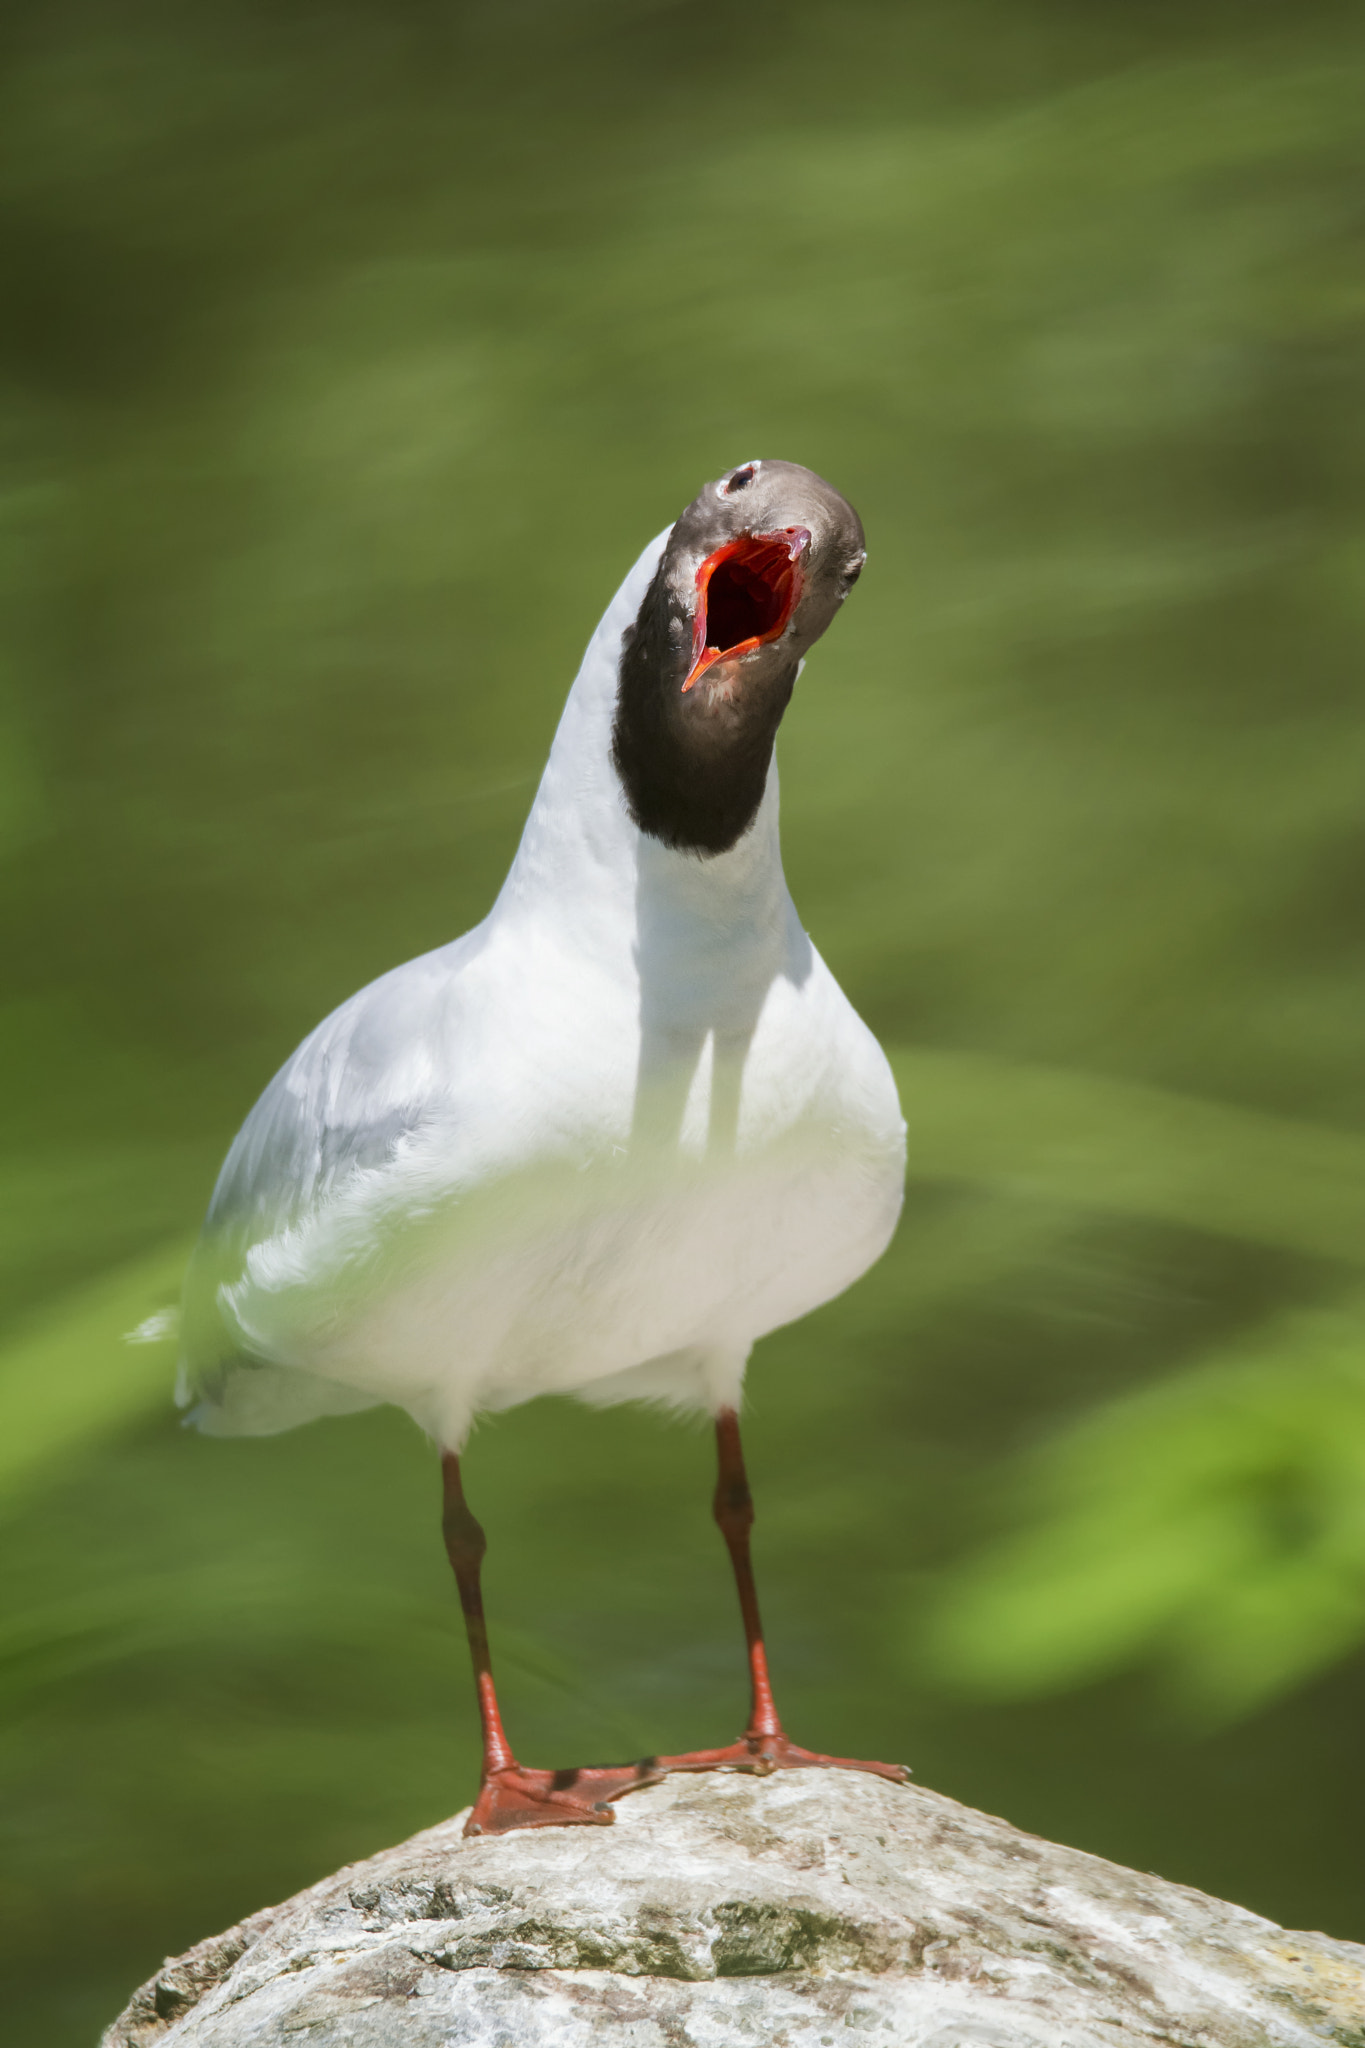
(363, 1083)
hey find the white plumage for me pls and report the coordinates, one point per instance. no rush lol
(598, 1146)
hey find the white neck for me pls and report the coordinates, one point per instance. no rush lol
(609, 888)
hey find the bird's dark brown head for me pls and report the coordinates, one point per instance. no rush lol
(752, 574)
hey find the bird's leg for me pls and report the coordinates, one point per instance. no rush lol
(733, 1507)
(509, 1796)
(764, 1746)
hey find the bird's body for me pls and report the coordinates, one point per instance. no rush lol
(597, 1146)
(605, 1141)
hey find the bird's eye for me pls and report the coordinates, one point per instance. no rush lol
(853, 570)
(738, 478)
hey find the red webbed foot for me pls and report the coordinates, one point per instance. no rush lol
(764, 1753)
(517, 1798)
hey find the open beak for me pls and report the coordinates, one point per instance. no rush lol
(746, 593)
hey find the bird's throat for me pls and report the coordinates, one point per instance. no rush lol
(693, 762)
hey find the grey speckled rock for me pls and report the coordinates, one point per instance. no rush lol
(800, 1911)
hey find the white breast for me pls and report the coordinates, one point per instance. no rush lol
(597, 1206)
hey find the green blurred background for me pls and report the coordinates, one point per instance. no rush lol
(350, 354)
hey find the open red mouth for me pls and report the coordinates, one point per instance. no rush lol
(746, 592)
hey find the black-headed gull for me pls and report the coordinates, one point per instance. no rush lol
(605, 1141)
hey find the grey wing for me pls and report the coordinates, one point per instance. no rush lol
(362, 1083)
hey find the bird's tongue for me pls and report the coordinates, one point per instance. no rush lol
(746, 592)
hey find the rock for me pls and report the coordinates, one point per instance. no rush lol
(804, 1910)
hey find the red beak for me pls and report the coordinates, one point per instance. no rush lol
(746, 592)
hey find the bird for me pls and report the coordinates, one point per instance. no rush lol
(605, 1141)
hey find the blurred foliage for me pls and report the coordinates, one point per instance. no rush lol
(350, 355)
(66, 1379)
(1217, 1520)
